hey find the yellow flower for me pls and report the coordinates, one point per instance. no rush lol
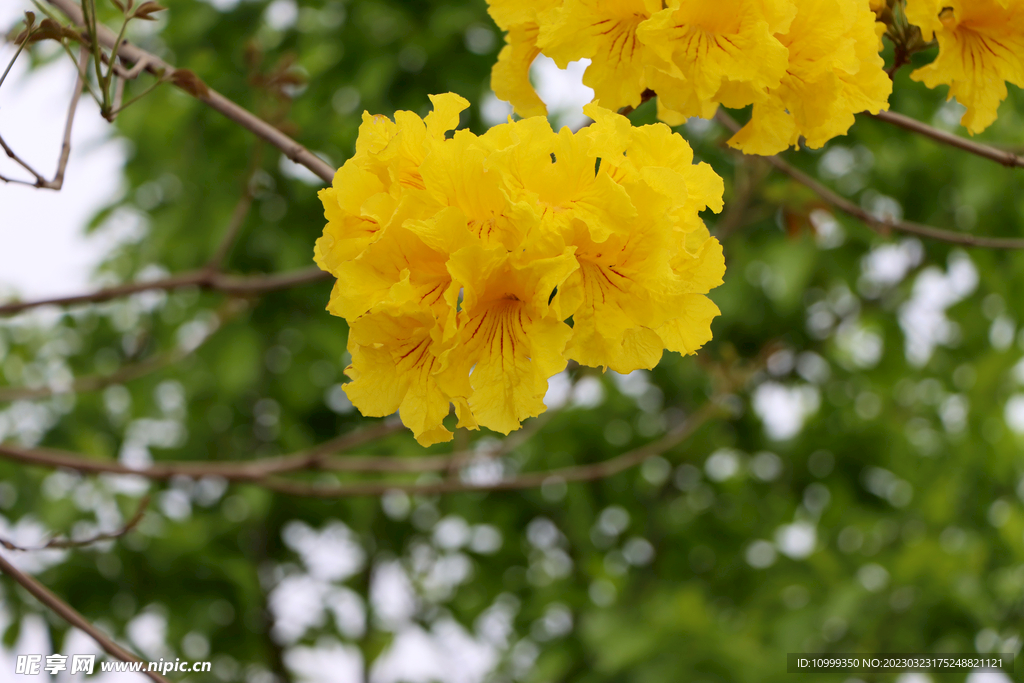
(396, 354)
(369, 191)
(981, 48)
(510, 76)
(509, 341)
(702, 53)
(459, 260)
(634, 285)
(834, 72)
(409, 263)
(603, 31)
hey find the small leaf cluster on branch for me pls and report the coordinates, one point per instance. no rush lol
(459, 260)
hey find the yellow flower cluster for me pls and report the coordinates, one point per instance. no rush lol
(806, 66)
(981, 48)
(460, 258)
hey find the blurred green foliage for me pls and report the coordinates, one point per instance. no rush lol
(887, 517)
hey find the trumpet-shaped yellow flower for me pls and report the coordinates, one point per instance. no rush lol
(396, 354)
(369, 190)
(603, 31)
(834, 72)
(510, 342)
(633, 283)
(981, 48)
(460, 260)
(409, 263)
(702, 53)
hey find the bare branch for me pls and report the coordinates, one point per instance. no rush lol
(1004, 157)
(879, 225)
(98, 538)
(266, 472)
(577, 473)
(133, 55)
(72, 616)
(316, 458)
(228, 284)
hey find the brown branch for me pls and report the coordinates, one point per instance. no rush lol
(228, 284)
(65, 149)
(577, 473)
(73, 617)
(266, 472)
(131, 54)
(316, 458)
(1004, 157)
(748, 177)
(98, 538)
(879, 225)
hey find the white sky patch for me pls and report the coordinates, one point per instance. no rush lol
(923, 317)
(796, 540)
(886, 265)
(783, 409)
(562, 90)
(328, 662)
(988, 677)
(1013, 413)
(494, 111)
(447, 653)
(46, 252)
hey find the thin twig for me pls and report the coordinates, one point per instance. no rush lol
(132, 54)
(17, 53)
(63, 543)
(240, 213)
(228, 284)
(65, 149)
(96, 382)
(73, 617)
(40, 180)
(126, 373)
(880, 225)
(1004, 157)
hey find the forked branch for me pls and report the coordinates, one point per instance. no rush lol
(60, 543)
(65, 148)
(191, 84)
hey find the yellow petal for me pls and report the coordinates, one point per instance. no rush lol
(692, 329)
(510, 75)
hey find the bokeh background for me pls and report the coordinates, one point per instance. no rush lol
(864, 493)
